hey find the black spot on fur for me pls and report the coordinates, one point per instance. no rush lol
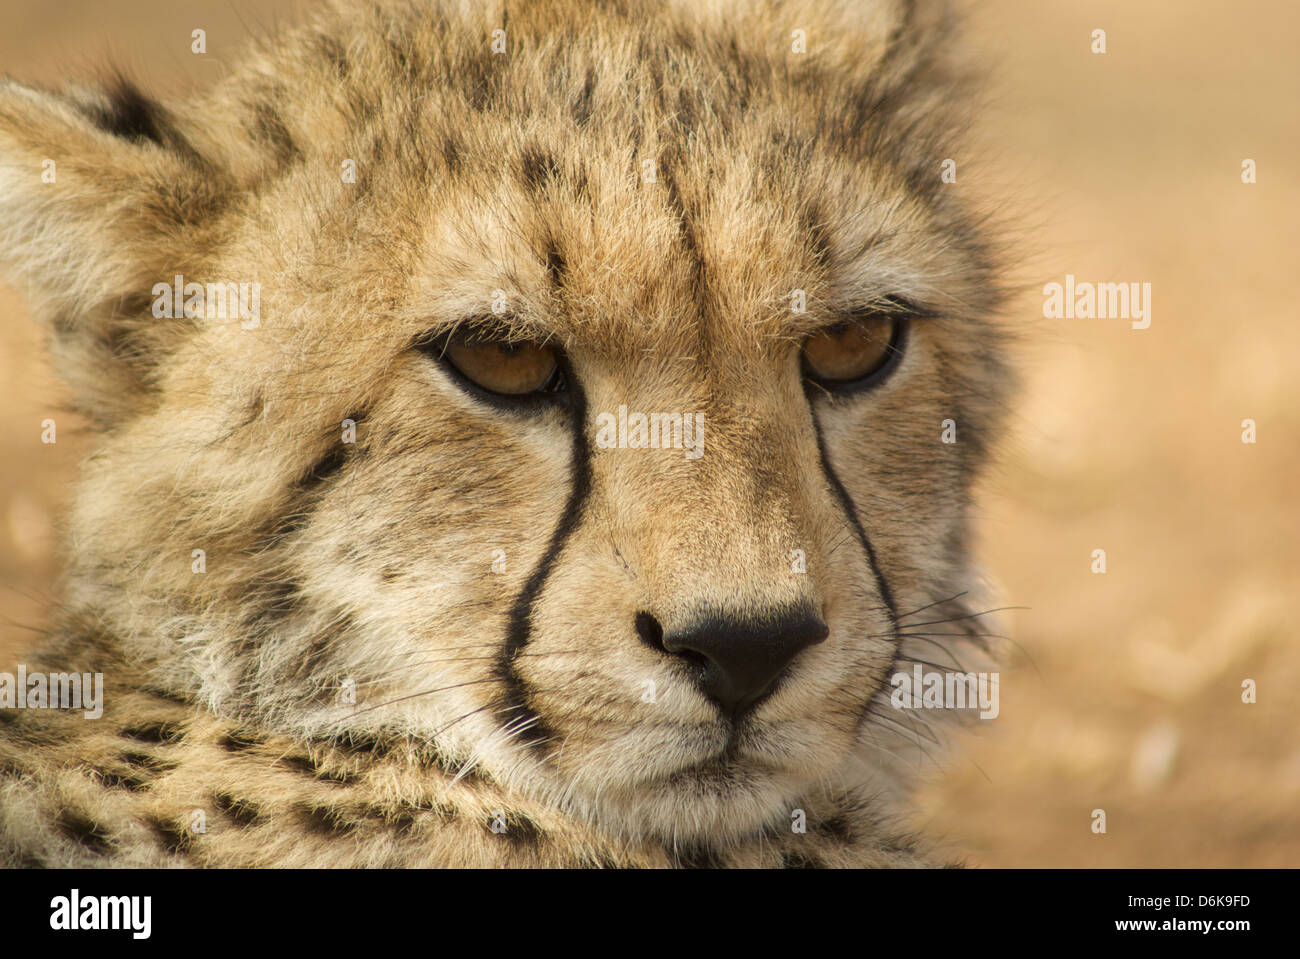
(33, 730)
(432, 758)
(115, 779)
(837, 828)
(401, 823)
(84, 831)
(403, 56)
(582, 104)
(242, 811)
(481, 79)
(168, 696)
(670, 164)
(818, 233)
(159, 731)
(442, 811)
(308, 766)
(451, 153)
(396, 818)
(373, 746)
(522, 831)
(237, 741)
(255, 409)
(337, 777)
(555, 267)
(148, 763)
(325, 467)
(177, 839)
(267, 127)
(129, 114)
(299, 764)
(326, 820)
(335, 53)
(538, 168)
(687, 111)
(278, 598)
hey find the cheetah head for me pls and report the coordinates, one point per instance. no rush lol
(571, 398)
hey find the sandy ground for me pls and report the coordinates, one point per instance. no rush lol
(1124, 692)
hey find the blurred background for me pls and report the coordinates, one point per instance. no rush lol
(1125, 690)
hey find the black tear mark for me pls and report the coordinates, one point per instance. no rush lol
(519, 714)
(851, 512)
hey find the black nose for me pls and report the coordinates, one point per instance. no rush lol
(740, 658)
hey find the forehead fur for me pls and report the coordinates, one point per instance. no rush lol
(633, 175)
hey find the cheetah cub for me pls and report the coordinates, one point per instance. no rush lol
(520, 439)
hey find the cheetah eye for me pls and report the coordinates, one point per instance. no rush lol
(856, 353)
(503, 367)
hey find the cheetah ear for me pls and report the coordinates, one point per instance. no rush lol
(99, 195)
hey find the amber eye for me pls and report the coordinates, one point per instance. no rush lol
(512, 368)
(855, 352)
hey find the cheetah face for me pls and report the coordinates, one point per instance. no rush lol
(592, 430)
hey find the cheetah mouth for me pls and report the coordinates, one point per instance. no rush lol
(734, 751)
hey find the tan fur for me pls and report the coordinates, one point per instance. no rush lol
(521, 173)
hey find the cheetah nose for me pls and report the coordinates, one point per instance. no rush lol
(741, 658)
